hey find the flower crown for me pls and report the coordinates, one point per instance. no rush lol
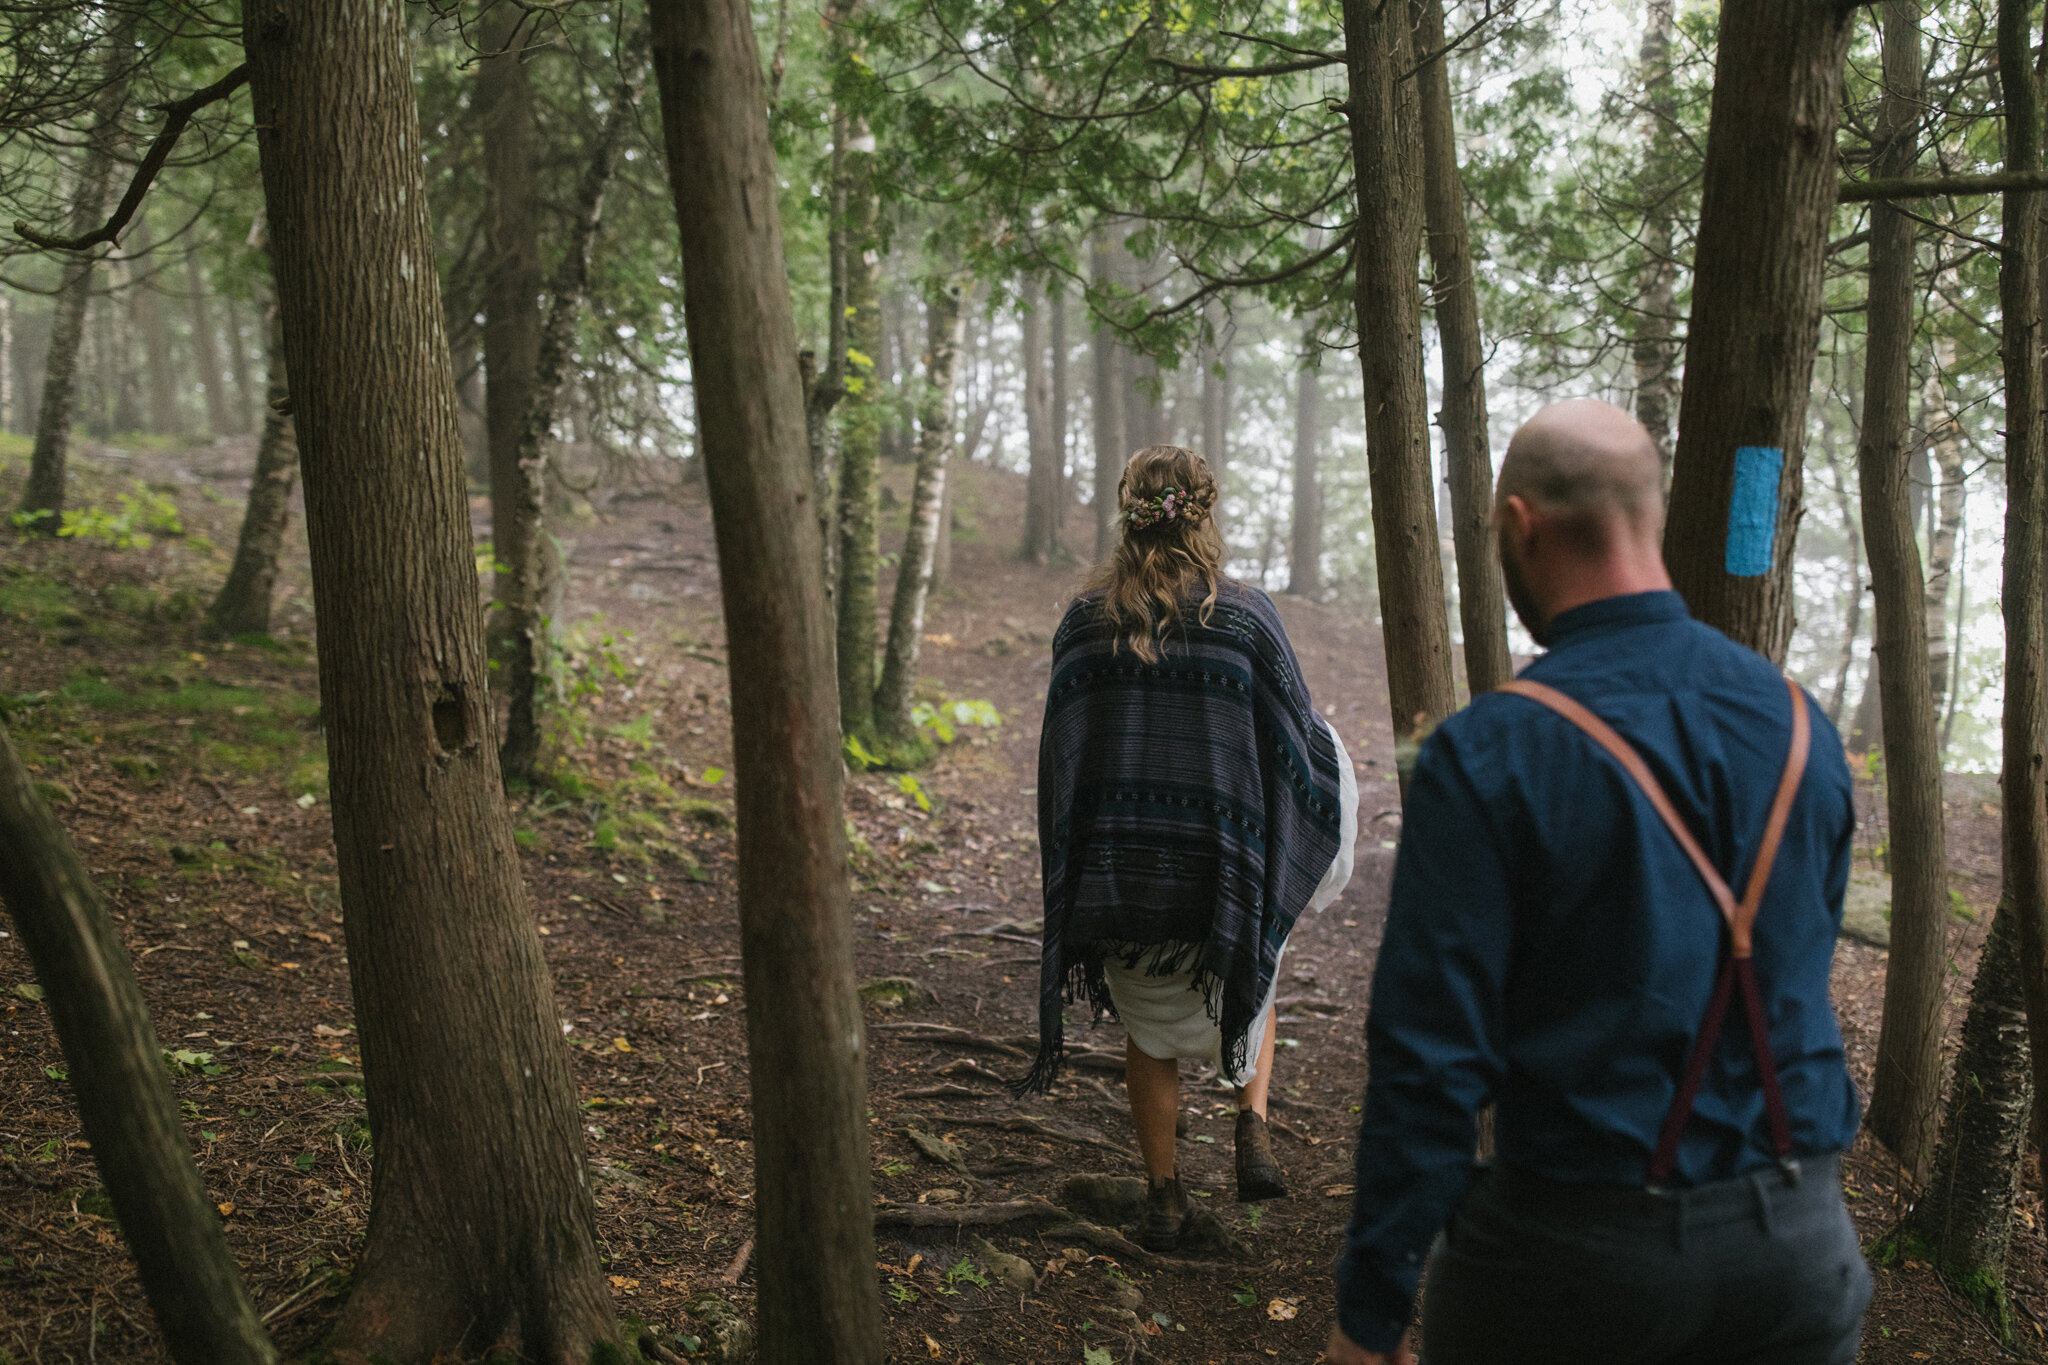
(1172, 504)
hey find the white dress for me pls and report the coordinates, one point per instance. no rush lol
(1166, 1015)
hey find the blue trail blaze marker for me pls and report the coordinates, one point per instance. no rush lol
(1753, 510)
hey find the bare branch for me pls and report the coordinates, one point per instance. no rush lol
(178, 115)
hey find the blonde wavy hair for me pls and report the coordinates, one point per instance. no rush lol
(1167, 548)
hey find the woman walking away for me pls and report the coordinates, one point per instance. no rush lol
(1191, 803)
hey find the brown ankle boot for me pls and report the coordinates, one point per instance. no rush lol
(1166, 1209)
(1258, 1172)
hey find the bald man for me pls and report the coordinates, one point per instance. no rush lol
(1579, 935)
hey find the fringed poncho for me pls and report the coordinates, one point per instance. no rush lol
(1190, 804)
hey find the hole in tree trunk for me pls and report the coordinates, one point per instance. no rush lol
(451, 726)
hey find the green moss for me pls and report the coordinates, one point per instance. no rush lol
(137, 768)
(40, 601)
(711, 814)
(54, 792)
(1982, 1286)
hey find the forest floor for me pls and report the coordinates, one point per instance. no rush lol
(192, 776)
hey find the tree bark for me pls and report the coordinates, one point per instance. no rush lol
(1112, 442)
(1062, 400)
(130, 1115)
(1468, 457)
(1853, 613)
(243, 604)
(812, 1199)
(1945, 445)
(1768, 194)
(532, 604)
(927, 510)
(1654, 348)
(238, 367)
(860, 434)
(1387, 152)
(830, 389)
(482, 1235)
(511, 333)
(1038, 544)
(2020, 283)
(1964, 1210)
(46, 481)
(1907, 1082)
(1305, 531)
(122, 377)
(1214, 417)
(7, 360)
(205, 351)
(145, 306)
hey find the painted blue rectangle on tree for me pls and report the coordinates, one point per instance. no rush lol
(1753, 510)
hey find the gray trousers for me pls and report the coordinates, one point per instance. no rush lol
(1761, 1270)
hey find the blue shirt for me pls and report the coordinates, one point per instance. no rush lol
(1549, 946)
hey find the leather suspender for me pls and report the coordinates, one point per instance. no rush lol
(1737, 971)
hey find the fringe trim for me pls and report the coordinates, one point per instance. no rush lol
(1086, 980)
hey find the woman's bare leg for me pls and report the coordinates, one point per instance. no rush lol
(1252, 1094)
(1154, 1088)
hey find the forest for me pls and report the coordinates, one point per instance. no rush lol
(533, 535)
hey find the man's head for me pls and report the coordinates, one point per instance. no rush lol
(1579, 509)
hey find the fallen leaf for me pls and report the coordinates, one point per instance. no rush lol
(932, 1347)
(622, 1282)
(1279, 1310)
(621, 1045)
(226, 1209)
(324, 1031)
(29, 990)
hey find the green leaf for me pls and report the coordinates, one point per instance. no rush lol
(713, 776)
(29, 990)
(1097, 1355)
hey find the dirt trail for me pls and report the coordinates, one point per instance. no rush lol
(222, 879)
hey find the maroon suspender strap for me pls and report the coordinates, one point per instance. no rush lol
(1737, 974)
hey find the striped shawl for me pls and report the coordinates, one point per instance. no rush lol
(1187, 811)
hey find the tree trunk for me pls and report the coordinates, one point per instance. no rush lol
(1767, 196)
(511, 332)
(1305, 538)
(1948, 718)
(860, 435)
(1112, 442)
(46, 483)
(1945, 445)
(1654, 349)
(927, 511)
(1963, 1213)
(124, 1098)
(1039, 480)
(812, 1199)
(482, 1235)
(2020, 283)
(1468, 457)
(146, 308)
(830, 389)
(243, 605)
(1386, 148)
(1907, 1082)
(117, 315)
(6, 360)
(1854, 611)
(533, 604)
(1214, 417)
(1061, 398)
(205, 353)
(238, 367)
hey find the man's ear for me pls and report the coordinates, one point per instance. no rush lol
(1516, 519)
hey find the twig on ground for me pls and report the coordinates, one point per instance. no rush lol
(739, 1263)
(944, 1092)
(1027, 1124)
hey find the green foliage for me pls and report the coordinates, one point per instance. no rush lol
(141, 516)
(943, 719)
(964, 1271)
